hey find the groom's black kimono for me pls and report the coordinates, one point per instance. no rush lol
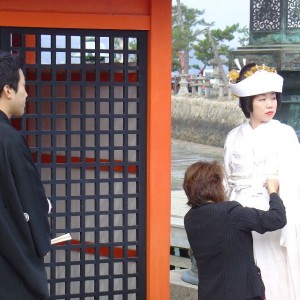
(23, 242)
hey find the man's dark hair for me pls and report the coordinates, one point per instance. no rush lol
(9, 70)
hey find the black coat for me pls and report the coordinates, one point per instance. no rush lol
(221, 240)
(23, 244)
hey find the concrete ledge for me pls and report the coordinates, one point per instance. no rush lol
(181, 290)
(180, 262)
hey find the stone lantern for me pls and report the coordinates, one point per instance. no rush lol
(218, 83)
(183, 88)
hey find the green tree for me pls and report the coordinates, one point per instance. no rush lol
(203, 50)
(244, 37)
(186, 26)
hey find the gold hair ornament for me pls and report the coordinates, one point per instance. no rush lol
(233, 74)
(259, 68)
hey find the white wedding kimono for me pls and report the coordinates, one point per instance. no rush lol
(252, 155)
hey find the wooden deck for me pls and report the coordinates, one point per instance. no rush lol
(178, 211)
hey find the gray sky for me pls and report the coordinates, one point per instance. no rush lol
(222, 12)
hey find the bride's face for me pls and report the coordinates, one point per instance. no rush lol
(264, 108)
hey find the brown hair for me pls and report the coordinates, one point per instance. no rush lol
(203, 182)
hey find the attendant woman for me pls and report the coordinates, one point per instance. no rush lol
(259, 148)
(219, 234)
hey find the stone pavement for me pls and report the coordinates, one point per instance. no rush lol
(185, 153)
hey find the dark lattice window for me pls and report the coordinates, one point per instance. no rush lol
(86, 127)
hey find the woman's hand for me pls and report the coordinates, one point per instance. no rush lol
(272, 185)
